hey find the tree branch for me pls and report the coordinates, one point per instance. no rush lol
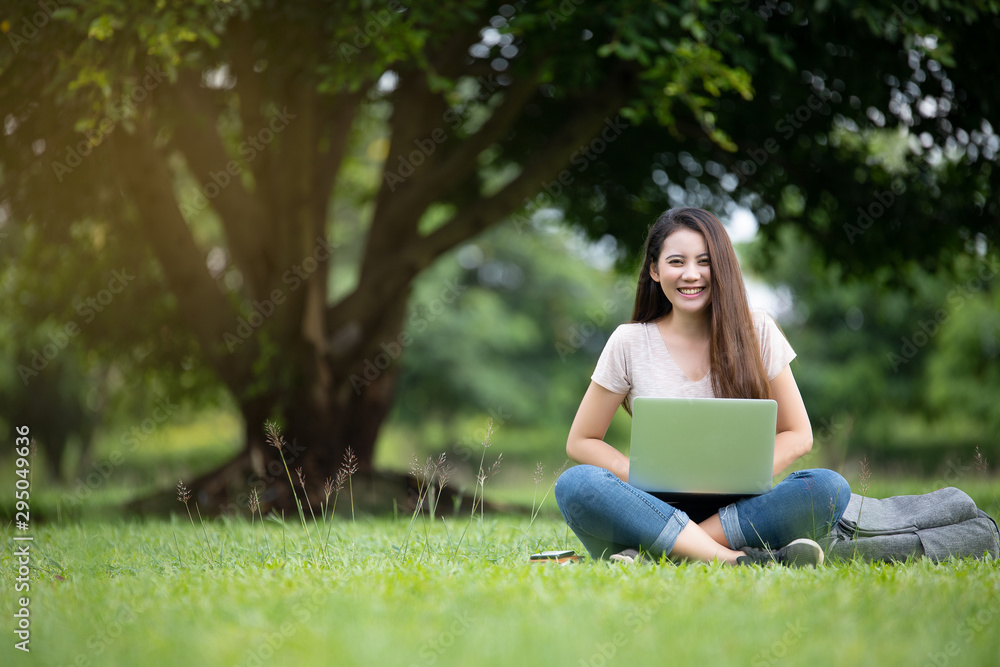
(241, 212)
(481, 214)
(438, 178)
(417, 113)
(147, 183)
(388, 274)
(341, 112)
(251, 96)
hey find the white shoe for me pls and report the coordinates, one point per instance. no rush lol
(797, 553)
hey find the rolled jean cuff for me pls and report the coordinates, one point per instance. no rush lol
(730, 518)
(664, 542)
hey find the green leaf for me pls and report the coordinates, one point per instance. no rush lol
(65, 14)
(606, 50)
(103, 27)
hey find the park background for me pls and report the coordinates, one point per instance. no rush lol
(410, 230)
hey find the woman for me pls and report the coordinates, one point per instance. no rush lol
(693, 335)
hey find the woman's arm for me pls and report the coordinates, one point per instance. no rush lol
(794, 432)
(585, 443)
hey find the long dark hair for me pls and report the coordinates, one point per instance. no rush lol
(734, 350)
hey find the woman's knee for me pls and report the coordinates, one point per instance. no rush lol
(572, 480)
(567, 485)
(824, 483)
(840, 493)
(575, 485)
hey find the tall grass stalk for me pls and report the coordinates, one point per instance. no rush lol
(276, 440)
(324, 507)
(208, 542)
(983, 466)
(184, 495)
(537, 477)
(424, 477)
(350, 467)
(444, 472)
(866, 477)
(305, 494)
(255, 507)
(334, 487)
(479, 491)
(483, 478)
(284, 540)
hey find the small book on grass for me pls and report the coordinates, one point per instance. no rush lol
(558, 557)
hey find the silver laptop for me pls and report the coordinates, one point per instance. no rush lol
(702, 445)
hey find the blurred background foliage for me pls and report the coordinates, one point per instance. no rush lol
(897, 359)
(509, 328)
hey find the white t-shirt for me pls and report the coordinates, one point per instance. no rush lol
(635, 362)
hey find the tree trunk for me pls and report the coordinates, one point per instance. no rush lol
(331, 407)
(327, 373)
(315, 440)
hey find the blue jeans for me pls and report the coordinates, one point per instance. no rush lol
(609, 515)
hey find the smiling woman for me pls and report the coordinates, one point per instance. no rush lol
(688, 248)
(692, 335)
(684, 265)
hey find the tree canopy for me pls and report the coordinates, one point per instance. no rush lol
(247, 190)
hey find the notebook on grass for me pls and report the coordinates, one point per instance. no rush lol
(702, 445)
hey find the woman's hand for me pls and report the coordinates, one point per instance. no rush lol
(585, 443)
(794, 432)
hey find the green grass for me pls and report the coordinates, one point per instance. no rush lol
(114, 592)
(111, 591)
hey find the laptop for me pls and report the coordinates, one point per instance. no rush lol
(721, 446)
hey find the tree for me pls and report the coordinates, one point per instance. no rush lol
(517, 346)
(902, 375)
(222, 152)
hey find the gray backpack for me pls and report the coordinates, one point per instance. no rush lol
(936, 525)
